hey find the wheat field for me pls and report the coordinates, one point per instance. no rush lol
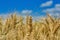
(18, 28)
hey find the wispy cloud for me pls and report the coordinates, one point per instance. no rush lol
(57, 5)
(53, 11)
(48, 3)
(26, 11)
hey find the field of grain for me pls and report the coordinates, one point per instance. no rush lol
(19, 28)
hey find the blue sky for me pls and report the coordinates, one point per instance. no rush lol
(33, 7)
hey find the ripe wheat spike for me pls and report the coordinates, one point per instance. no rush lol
(20, 28)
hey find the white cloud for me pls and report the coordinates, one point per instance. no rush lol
(49, 10)
(26, 11)
(57, 5)
(48, 3)
(53, 11)
(22, 13)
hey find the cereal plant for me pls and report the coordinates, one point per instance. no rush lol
(20, 28)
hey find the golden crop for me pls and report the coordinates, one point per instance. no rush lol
(16, 28)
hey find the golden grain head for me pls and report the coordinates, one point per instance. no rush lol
(15, 28)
